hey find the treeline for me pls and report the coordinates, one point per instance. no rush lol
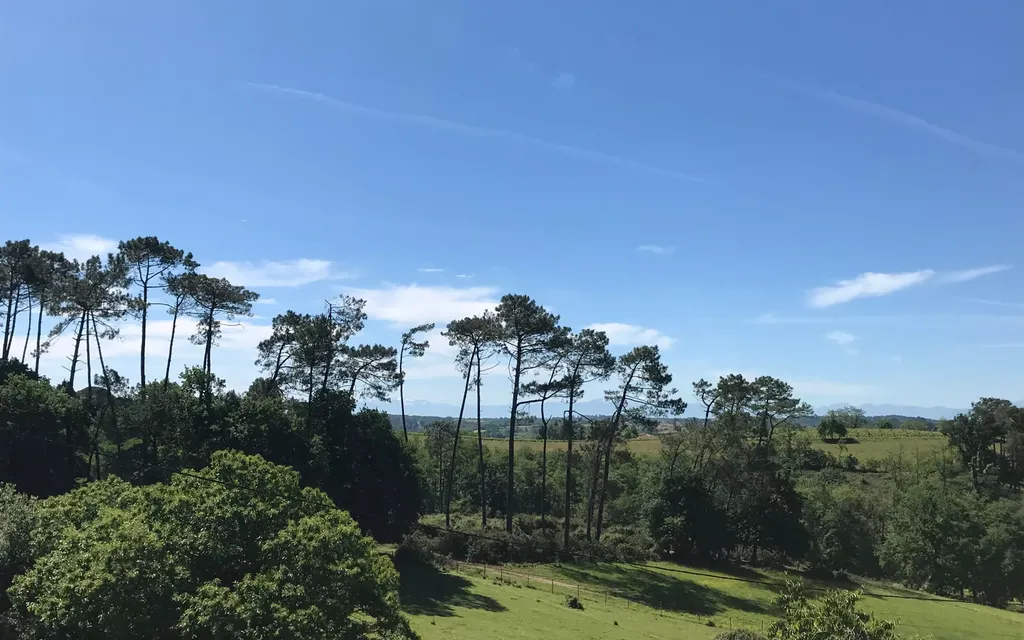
(733, 482)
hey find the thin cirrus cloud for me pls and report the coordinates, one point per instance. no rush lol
(621, 334)
(430, 270)
(476, 131)
(656, 249)
(907, 120)
(870, 284)
(270, 273)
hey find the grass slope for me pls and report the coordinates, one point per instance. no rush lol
(657, 600)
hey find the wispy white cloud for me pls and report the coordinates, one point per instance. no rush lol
(267, 301)
(966, 275)
(907, 120)
(429, 270)
(867, 285)
(620, 334)
(270, 273)
(564, 81)
(870, 284)
(413, 304)
(656, 249)
(477, 131)
(842, 338)
(81, 246)
(463, 276)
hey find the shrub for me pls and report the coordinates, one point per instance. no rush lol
(573, 603)
(740, 634)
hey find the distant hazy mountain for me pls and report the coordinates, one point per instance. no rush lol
(931, 413)
(594, 407)
(598, 407)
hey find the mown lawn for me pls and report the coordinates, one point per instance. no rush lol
(657, 600)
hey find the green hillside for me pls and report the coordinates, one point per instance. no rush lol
(657, 601)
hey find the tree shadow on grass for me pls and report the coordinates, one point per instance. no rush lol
(655, 589)
(425, 590)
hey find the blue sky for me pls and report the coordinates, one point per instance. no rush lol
(827, 192)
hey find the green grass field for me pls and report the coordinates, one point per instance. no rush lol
(871, 444)
(657, 601)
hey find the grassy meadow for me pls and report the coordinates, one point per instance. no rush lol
(866, 444)
(656, 601)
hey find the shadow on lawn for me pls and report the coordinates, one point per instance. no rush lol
(655, 589)
(425, 590)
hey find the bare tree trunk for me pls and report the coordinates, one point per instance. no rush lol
(28, 334)
(455, 450)
(74, 356)
(568, 475)
(110, 392)
(88, 356)
(142, 352)
(7, 320)
(209, 345)
(592, 496)
(480, 448)
(170, 347)
(39, 333)
(543, 467)
(13, 325)
(401, 390)
(604, 486)
(613, 432)
(510, 496)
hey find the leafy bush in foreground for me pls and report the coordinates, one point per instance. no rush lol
(204, 557)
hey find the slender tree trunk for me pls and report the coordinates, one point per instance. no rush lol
(592, 496)
(568, 474)
(543, 467)
(401, 391)
(74, 356)
(170, 346)
(88, 357)
(608, 448)
(455, 450)
(142, 352)
(209, 345)
(480, 449)
(604, 488)
(7, 320)
(510, 495)
(110, 392)
(28, 334)
(9, 330)
(39, 333)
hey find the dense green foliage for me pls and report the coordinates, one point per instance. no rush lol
(238, 549)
